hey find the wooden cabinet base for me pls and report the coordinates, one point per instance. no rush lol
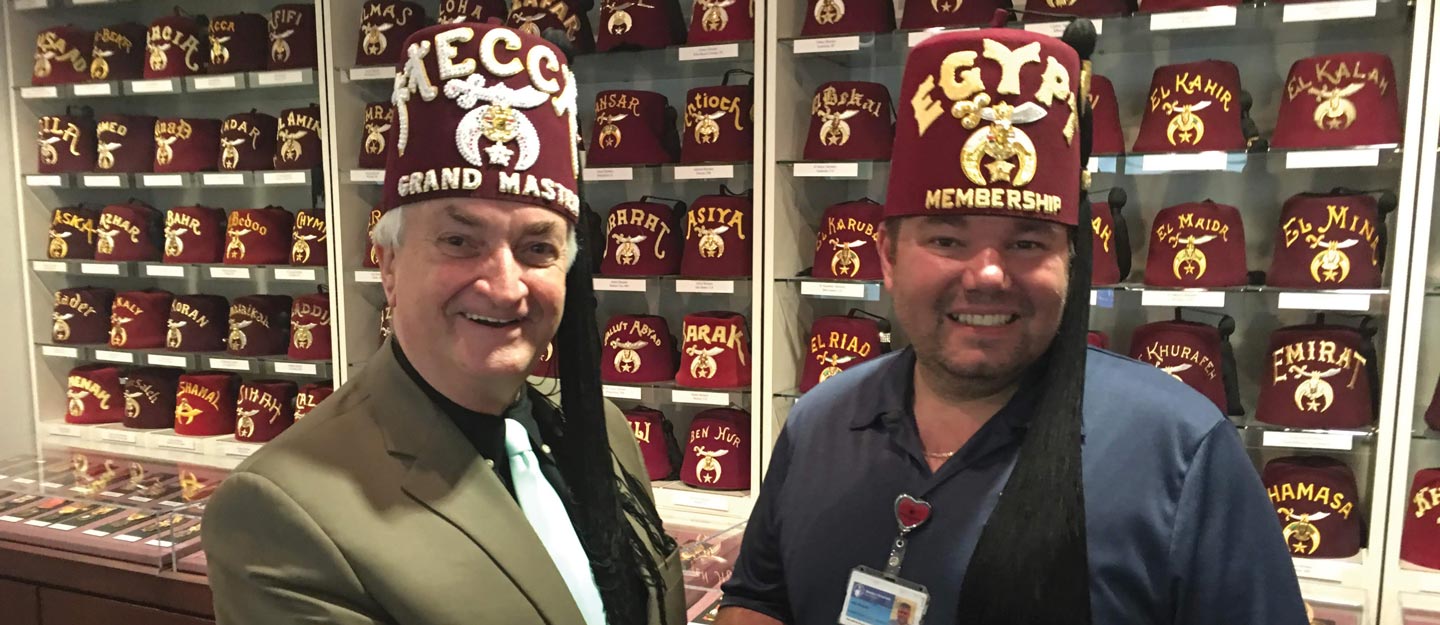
(52, 587)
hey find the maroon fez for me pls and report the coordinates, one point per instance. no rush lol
(655, 436)
(237, 43)
(264, 409)
(1189, 351)
(125, 143)
(259, 236)
(137, 319)
(1339, 100)
(310, 396)
(194, 234)
(310, 327)
(534, 17)
(719, 125)
(62, 56)
(837, 343)
(383, 25)
(640, 241)
(846, 247)
(639, 25)
(489, 128)
(72, 233)
(1098, 339)
(721, 21)
(119, 52)
(66, 144)
(1315, 498)
(477, 11)
(128, 232)
(292, 37)
(186, 144)
(1328, 241)
(376, 138)
(298, 138)
(1318, 376)
(94, 395)
(932, 13)
(718, 237)
(259, 325)
(150, 397)
(637, 349)
(1200, 244)
(247, 142)
(1104, 253)
(717, 452)
(1159, 6)
(1420, 542)
(716, 351)
(632, 128)
(1192, 107)
(309, 248)
(81, 315)
(850, 121)
(1085, 8)
(197, 323)
(1105, 112)
(844, 17)
(173, 47)
(205, 403)
(372, 255)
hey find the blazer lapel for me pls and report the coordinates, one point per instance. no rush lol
(453, 481)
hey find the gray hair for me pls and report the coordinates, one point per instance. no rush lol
(390, 230)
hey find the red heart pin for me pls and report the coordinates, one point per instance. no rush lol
(911, 512)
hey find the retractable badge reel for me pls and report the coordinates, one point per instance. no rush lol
(884, 598)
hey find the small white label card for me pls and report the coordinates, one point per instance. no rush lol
(58, 351)
(614, 391)
(229, 364)
(1197, 298)
(114, 356)
(222, 180)
(100, 269)
(702, 501)
(215, 83)
(293, 274)
(1056, 29)
(102, 181)
(1335, 10)
(368, 276)
(1355, 302)
(367, 176)
(703, 398)
(118, 436)
(609, 174)
(49, 266)
(36, 93)
(278, 78)
(630, 285)
(381, 72)
(46, 180)
(1314, 159)
(1210, 17)
(822, 45)
(918, 37)
(1334, 441)
(163, 360)
(838, 290)
(705, 286)
(162, 180)
(165, 271)
(827, 170)
(181, 444)
(163, 85)
(94, 89)
(1200, 161)
(285, 177)
(704, 172)
(1321, 569)
(295, 368)
(709, 53)
(230, 273)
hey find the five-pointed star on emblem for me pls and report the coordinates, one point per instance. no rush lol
(1312, 405)
(627, 367)
(1000, 170)
(499, 154)
(1189, 267)
(1298, 547)
(1334, 124)
(1185, 136)
(1331, 275)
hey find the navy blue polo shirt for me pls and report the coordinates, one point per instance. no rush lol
(1180, 530)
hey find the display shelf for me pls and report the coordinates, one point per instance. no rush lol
(1343, 571)
(859, 290)
(702, 172)
(675, 494)
(365, 176)
(270, 365)
(222, 452)
(1280, 437)
(671, 393)
(1343, 300)
(672, 284)
(57, 181)
(259, 274)
(101, 268)
(673, 63)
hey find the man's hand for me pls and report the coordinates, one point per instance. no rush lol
(740, 616)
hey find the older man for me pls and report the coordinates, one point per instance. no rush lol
(997, 472)
(435, 487)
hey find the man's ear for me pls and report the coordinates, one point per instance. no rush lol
(387, 272)
(886, 240)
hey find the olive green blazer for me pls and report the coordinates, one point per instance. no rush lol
(376, 509)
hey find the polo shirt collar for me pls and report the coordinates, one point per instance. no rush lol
(895, 394)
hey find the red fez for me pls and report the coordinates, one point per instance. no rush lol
(1089, 8)
(137, 319)
(259, 236)
(1420, 542)
(95, 395)
(264, 409)
(637, 349)
(259, 325)
(546, 366)
(205, 403)
(150, 397)
(719, 125)
(969, 96)
(718, 237)
(66, 144)
(722, 21)
(1098, 339)
(1105, 251)
(1315, 498)
(1192, 107)
(716, 351)
(1318, 376)
(292, 37)
(717, 452)
(186, 144)
(850, 121)
(119, 52)
(846, 247)
(237, 43)
(376, 139)
(194, 234)
(81, 315)
(656, 438)
(383, 25)
(174, 47)
(1339, 100)
(632, 128)
(534, 17)
(500, 124)
(125, 143)
(1200, 244)
(310, 396)
(72, 233)
(310, 328)
(843, 17)
(62, 56)
(1105, 111)
(197, 323)
(247, 142)
(309, 247)
(640, 240)
(837, 343)
(637, 25)
(478, 11)
(1190, 352)
(298, 138)
(128, 232)
(1319, 236)
(372, 255)
(930, 14)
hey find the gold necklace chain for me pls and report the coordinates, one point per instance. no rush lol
(940, 455)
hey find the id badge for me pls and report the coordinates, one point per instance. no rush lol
(873, 598)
